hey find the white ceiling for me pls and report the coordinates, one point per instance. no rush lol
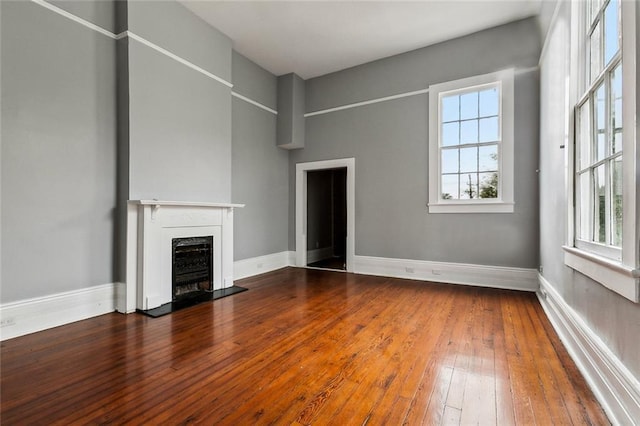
(313, 38)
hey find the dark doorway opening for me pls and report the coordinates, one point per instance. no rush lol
(327, 218)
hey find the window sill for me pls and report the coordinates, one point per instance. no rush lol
(615, 276)
(471, 207)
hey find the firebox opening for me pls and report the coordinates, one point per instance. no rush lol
(192, 267)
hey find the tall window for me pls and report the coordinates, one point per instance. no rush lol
(471, 144)
(605, 241)
(598, 168)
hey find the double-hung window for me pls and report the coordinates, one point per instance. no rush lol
(471, 145)
(604, 198)
(599, 150)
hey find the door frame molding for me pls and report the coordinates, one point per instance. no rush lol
(301, 206)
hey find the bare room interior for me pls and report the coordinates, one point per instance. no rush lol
(310, 212)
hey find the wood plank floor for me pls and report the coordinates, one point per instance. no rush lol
(305, 347)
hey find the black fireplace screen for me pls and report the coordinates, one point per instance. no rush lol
(192, 270)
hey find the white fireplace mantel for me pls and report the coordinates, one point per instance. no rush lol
(185, 203)
(151, 226)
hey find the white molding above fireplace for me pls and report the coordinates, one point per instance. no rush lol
(185, 204)
(151, 225)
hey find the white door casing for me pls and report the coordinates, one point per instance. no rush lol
(301, 206)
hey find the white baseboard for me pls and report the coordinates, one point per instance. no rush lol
(612, 383)
(31, 315)
(319, 254)
(259, 265)
(454, 273)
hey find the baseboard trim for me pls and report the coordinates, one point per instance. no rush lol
(32, 315)
(454, 273)
(617, 390)
(259, 265)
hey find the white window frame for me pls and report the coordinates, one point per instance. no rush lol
(505, 201)
(616, 271)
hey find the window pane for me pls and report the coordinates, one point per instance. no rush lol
(469, 105)
(468, 186)
(451, 108)
(489, 102)
(611, 31)
(450, 161)
(599, 219)
(584, 135)
(616, 201)
(469, 159)
(489, 129)
(488, 185)
(600, 150)
(450, 134)
(595, 55)
(450, 187)
(583, 202)
(616, 108)
(469, 131)
(488, 158)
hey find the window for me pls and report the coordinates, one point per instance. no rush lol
(471, 145)
(599, 152)
(604, 238)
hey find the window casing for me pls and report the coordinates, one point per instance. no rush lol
(604, 238)
(471, 145)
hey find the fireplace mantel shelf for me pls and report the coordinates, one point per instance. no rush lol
(186, 203)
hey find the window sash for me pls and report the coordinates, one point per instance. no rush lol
(457, 198)
(597, 159)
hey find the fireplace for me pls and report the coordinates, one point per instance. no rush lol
(191, 267)
(203, 233)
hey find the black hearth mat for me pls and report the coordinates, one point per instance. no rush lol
(167, 308)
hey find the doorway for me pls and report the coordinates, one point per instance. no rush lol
(325, 219)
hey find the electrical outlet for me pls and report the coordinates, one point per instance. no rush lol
(409, 270)
(259, 265)
(540, 269)
(4, 322)
(436, 272)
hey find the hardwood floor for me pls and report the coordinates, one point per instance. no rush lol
(305, 347)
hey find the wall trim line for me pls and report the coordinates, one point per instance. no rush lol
(249, 267)
(255, 103)
(175, 57)
(75, 18)
(133, 36)
(613, 385)
(518, 71)
(369, 102)
(523, 279)
(41, 313)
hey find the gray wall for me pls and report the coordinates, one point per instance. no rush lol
(613, 318)
(389, 141)
(259, 168)
(58, 153)
(180, 130)
(99, 12)
(179, 119)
